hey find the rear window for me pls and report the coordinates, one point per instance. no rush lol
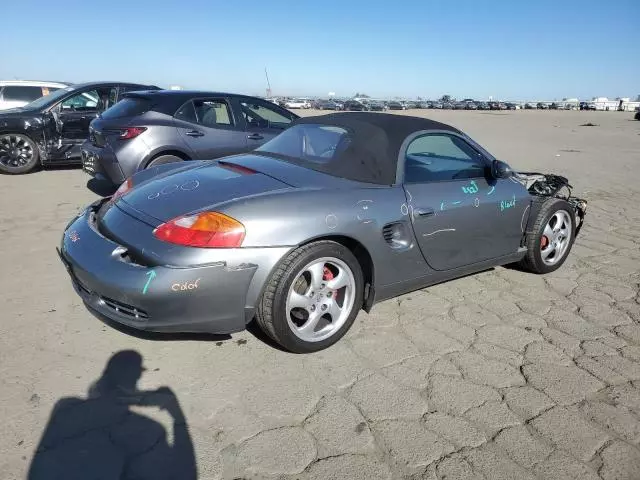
(21, 94)
(310, 142)
(128, 107)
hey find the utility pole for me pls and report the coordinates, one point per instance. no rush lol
(268, 83)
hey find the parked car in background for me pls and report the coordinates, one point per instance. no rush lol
(354, 106)
(637, 115)
(18, 93)
(530, 106)
(459, 106)
(437, 105)
(377, 106)
(554, 106)
(327, 105)
(297, 103)
(471, 105)
(50, 130)
(510, 106)
(542, 106)
(483, 106)
(396, 106)
(153, 128)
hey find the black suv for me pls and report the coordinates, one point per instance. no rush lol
(50, 130)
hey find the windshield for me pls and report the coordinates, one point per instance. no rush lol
(47, 100)
(309, 142)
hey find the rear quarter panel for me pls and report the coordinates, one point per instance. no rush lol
(161, 136)
(289, 219)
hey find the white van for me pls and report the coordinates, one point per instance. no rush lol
(18, 93)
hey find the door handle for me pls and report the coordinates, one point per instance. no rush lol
(255, 136)
(424, 212)
(194, 133)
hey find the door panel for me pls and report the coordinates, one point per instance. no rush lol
(209, 129)
(460, 214)
(467, 221)
(75, 125)
(72, 118)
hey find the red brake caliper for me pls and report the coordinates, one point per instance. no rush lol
(544, 241)
(327, 274)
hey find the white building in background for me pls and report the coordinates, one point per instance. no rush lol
(175, 87)
(624, 103)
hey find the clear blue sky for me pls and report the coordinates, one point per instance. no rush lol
(510, 49)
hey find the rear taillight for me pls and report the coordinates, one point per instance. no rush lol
(206, 229)
(122, 189)
(131, 132)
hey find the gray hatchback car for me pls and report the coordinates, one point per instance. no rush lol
(152, 128)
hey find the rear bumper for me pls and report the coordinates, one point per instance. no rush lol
(210, 298)
(101, 163)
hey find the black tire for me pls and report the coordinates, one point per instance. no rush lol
(32, 164)
(547, 208)
(271, 311)
(162, 159)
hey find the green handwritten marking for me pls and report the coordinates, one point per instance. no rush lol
(151, 274)
(457, 203)
(504, 204)
(442, 206)
(471, 188)
(491, 190)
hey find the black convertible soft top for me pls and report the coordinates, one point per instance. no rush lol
(376, 138)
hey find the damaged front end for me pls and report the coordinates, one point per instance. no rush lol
(550, 185)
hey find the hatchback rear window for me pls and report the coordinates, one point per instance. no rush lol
(128, 107)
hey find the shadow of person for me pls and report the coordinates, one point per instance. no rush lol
(103, 438)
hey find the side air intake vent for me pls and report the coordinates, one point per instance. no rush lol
(397, 235)
(387, 233)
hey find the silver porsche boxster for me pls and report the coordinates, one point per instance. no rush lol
(335, 214)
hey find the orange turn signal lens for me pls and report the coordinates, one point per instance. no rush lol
(206, 230)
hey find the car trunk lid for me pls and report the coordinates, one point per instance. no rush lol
(111, 123)
(204, 186)
(103, 131)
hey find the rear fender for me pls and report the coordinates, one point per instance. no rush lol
(292, 218)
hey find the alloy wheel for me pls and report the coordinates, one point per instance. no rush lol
(556, 237)
(15, 150)
(320, 299)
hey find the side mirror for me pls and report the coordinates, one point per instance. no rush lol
(500, 169)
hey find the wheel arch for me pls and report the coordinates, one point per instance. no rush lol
(364, 259)
(165, 151)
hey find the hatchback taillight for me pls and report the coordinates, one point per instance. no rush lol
(131, 132)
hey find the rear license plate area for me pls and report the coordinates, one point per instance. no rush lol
(89, 161)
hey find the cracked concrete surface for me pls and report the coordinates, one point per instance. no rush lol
(500, 375)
